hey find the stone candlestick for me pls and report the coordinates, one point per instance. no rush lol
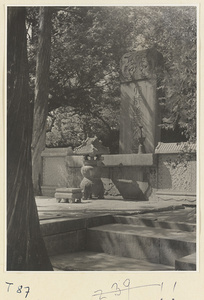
(141, 139)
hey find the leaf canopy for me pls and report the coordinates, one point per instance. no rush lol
(88, 43)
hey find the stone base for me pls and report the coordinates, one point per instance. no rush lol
(132, 190)
(70, 195)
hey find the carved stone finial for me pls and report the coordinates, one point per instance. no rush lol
(141, 140)
(140, 65)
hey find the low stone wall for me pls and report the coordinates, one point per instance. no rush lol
(126, 176)
(169, 172)
(69, 235)
(176, 167)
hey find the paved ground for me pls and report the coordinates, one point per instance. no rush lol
(51, 212)
(48, 208)
(93, 261)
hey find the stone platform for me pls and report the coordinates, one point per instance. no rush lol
(70, 232)
(49, 208)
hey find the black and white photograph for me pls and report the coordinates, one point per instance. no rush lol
(102, 148)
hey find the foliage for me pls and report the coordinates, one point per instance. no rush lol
(88, 43)
(173, 31)
(66, 128)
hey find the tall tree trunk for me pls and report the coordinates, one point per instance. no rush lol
(41, 96)
(25, 245)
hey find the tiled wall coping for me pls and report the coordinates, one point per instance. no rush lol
(166, 148)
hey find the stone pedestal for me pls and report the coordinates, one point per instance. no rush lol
(140, 73)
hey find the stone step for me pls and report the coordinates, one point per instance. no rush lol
(68, 235)
(186, 263)
(156, 245)
(92, 261)
(179, 219)
(154, 222)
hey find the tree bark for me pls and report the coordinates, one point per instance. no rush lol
(25, 246)
(41, 96)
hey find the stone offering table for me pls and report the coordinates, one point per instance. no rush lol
(68, 195)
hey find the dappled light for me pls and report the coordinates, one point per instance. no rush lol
(93, 92)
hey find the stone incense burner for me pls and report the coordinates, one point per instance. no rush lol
(92, 151)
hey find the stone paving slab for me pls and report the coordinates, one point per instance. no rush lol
(156, 245)
(59, 215)
(186, 263)
(152, 222)
(48, 208)
(56, 226)
(92, 261)
(183, 215)
(181, 219)
(152, 232)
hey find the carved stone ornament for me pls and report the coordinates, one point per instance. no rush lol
(91, 147)
(140, 65)
(92, 185)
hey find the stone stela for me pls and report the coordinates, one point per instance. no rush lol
(141, 72)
